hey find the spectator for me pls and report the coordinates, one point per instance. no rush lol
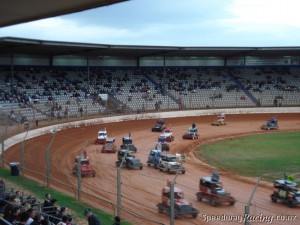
(32, 214)
(92, 219)
(47, 202)
(67, 112)
(19, 195)
(64, 220)
(61, 212)
(14, 216)
(69, 222)
(15, 200)
(39, 220)
(53, 211)
(23, 218)
(80, 111)
(117, 221)
(7, 210)
(2, 204)
(26, 206)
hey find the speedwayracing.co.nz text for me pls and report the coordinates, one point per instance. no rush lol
(268, 219)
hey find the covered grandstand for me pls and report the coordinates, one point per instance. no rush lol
(43, 79)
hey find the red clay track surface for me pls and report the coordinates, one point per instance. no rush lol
(141, 189)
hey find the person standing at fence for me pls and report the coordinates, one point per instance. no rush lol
(117, 221)
(47, 202)
(92, 219)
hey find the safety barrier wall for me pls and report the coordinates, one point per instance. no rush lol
(44, 130)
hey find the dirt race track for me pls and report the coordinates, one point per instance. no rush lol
(141, 189)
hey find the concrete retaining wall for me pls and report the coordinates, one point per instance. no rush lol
(44, 130)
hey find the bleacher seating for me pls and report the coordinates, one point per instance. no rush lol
(39, 93)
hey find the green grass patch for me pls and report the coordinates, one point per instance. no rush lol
(266, 155)
(63, 199)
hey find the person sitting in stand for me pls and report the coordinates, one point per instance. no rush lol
(63, 221)
(61, 212)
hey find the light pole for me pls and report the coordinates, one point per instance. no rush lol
(79, 178)
(119, 195)
(22, 152)
(53, 132)
(172, 214)
(247, 207)
(3, 135)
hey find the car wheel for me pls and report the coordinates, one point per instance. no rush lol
(213, 201)
(290, 203)
(199, 197)
(160, 210)
(273, 198)
(232, 201)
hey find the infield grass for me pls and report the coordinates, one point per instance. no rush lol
(267, 155)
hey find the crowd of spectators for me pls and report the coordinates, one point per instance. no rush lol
(30, 85)
(17, 208)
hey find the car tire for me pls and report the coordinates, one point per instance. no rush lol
(274, 198)
(290, 203)
(213, 201)
(194, 215)
(160, 210)
(199, 197)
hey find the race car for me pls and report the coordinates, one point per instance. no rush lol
(220, 120)
(101, 138)
(271, 124)
(163, 143)
(168, 133)
(159, 126)
(192, 133)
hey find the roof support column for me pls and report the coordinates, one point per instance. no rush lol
(88, 71)
(12, 72)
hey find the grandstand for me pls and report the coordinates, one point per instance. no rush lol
(39, 91)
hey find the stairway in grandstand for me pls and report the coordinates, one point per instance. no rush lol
(161, 88)
(242, 87)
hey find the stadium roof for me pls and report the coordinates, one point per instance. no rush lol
(10, 45)
(15, 11)
(12, 12)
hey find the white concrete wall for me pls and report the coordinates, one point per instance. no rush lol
(44, 130)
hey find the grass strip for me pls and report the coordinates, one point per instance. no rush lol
(63, 199)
